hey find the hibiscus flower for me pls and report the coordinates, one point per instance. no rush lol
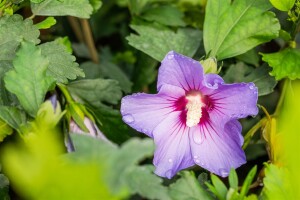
(193, 118)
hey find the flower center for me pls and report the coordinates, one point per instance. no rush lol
(194, 108)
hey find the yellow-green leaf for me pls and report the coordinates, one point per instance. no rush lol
(5, 130)
(46, 23)
(283, 5)
(285, 63)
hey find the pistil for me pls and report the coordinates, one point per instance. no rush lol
(194, 108)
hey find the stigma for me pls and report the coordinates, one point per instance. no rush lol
(194, 108)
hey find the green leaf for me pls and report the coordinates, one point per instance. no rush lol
(6, 98)
(251, 197)
(62, 65)
(276, 183)
(158, 41)
(232, 194)
(28, 80)
(4, 187)
(110, 121)
(81, 50)
(250, 57)
(118, 162)
(262, 80)
(137, 7)
(87, 147)
(66, 42)
(233, 28)
(187, 188)
(220, 187)
(12, 116)
(77, 112)
(76, 8)
(96, 4)
(5, 130)
(284, 63)
(47, 23)
(13, 30)
(233, 179)
(259, 76)
(283, 5)
(144, 72)
(166, 15)
(152, 185)
(282, 176)
(56, 176)
(96, 92)
(107, 69)
(112, 71)
(130, 154)
(203, 178)
(285, 35)
(247, 182)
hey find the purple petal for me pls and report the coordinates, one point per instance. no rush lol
(180, 71)
(234, 100)
(217, 147)
(144, 112)
(173, 151)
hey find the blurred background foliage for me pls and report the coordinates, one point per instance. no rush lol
(85, 55)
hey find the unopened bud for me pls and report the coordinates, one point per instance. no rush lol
(209, 65)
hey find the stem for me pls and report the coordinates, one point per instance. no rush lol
(265, 111)
(282, 95)
(89, 40)
(32, 16)
(75, 25)
(66, 93)
(295, 28)
(252, 131)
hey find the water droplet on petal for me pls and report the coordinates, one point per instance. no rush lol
(223, 172)
(171, 56)
(197, 161)
(202, 164)
(251, 86)
(169, 173)
(195, 157)
(136, 94)
(170, 160)
(198, 138)
(128, 118)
